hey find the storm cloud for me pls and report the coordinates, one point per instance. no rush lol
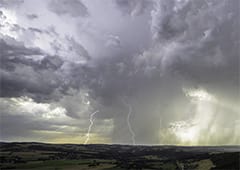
(172, 64)
(74, 8)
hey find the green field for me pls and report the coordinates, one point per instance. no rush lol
(40, 156)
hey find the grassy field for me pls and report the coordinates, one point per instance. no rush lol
(41, 156)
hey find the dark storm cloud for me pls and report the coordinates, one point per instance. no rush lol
(78, 48)
(27, 121)
(75, 8)
(20, 74)
(179, 49)
(13, 48)
(31, 16)
(30, 71)
(194, 45)
(203, 47)
(39, 121)
(11, 3)
(134, 7)
(23, 126)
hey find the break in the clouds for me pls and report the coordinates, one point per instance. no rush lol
(152, 71)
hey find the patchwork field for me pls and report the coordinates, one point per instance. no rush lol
(41, 156)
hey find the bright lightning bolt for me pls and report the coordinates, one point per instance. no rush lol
(91, 119)
(90, 126)
(128, 121)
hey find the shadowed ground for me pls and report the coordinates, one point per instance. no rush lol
(41, 156)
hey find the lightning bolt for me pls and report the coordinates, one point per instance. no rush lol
(87, 102)
(128, 121)
(91, 120)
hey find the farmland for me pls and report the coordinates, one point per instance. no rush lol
(42, 156)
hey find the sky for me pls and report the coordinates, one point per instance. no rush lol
(120, 71)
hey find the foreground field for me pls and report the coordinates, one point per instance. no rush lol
(41, 156)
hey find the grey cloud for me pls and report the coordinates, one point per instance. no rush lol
(11, 3)
(204, 48)
(194, 45)
(75, 46)
(23, 126)
(32, 119)
(20, 74)
(167, 22)
(25, 123)
(31, 16)
(74, 8)
(113, 41)
(10, 47)
(134, 7)
(33, 72)
(200, 51)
